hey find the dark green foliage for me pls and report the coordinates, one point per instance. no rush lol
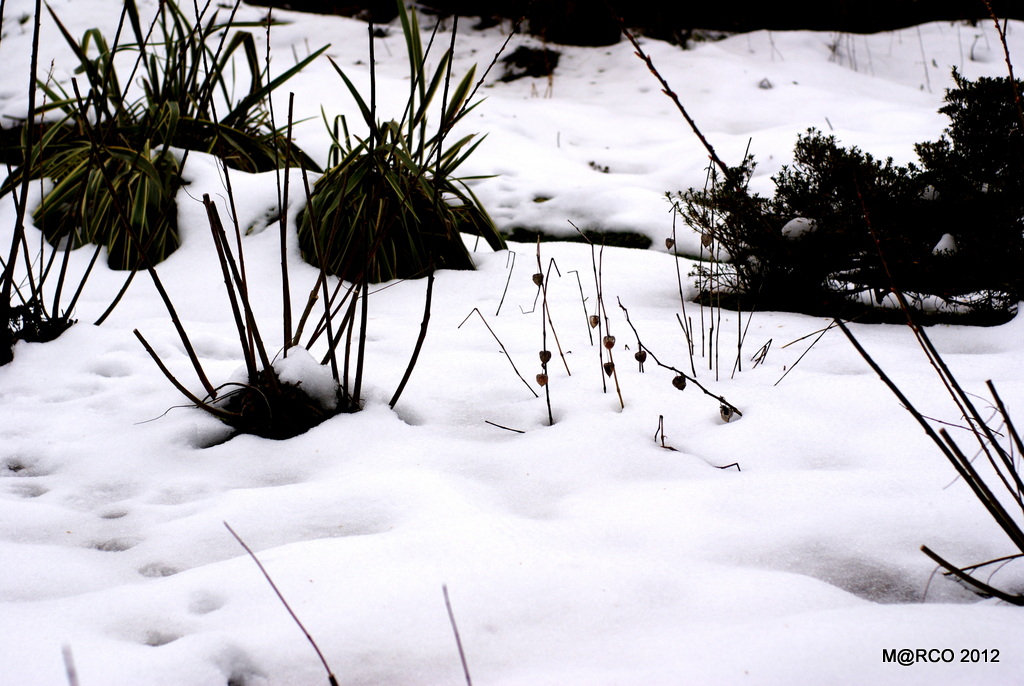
(984, 143)
(877, 223)
(100, 189)
(390, 207)
(610, 239)
(732, 220)
(115, 177)
(860, 205)
(977, 173)
(380, 216)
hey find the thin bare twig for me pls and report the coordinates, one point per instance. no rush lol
(535, 395)
(1001, 30)
(458, 639)
(690, 379)
(223, 415)
(667, 90)
(601, 315)
(506, 428)
(979, 585)
(280, 596)
(542, 288)
(547, 310)
(419, 341)
(682, 299)
(583, 301)
(512, 256)
(595, 319)
(1010, 427)
(821, 334)
(286, 296)
(659, 435)
(69, 665)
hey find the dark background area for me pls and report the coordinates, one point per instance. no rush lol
(594, 22)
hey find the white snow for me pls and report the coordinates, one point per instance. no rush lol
(798, 227)
(945, 246)
(582, 553)
(315, 379)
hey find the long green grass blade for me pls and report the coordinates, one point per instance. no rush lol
(249, 101)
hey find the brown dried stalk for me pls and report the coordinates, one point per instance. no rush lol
(723, 402)
(503, 349)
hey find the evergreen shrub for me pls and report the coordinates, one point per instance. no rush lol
(844, 229)
(390, 205)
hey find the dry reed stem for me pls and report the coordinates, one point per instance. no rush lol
(542, 289)
(1001, 30)
(689, 378)
(330, 675)
(503, 349)
(458, 639)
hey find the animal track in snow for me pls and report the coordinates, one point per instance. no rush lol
(16, 465)
(103, 496)
(111, 366)
(115, 545)
(156, 638)
(114, 514)
(28, 490)
(242, 670)
(204, 602)
(156, 570)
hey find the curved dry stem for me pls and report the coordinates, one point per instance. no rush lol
(223, 415)
(689, 379)
(979, 586)
(509, 357)
(330, 675)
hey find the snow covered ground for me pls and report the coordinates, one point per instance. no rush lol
(582, 553)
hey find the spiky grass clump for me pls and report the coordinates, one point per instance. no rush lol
(24, 313)
(390, 206)
(114, 196)
(115, 177)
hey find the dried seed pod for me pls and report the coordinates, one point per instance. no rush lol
(609, 367)
(545, 356)
(542, 379)
(609, 342)
(640, 356)
(669, 243)
(538, 279)
(594, 321)
(679, 382)
(727, 413)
